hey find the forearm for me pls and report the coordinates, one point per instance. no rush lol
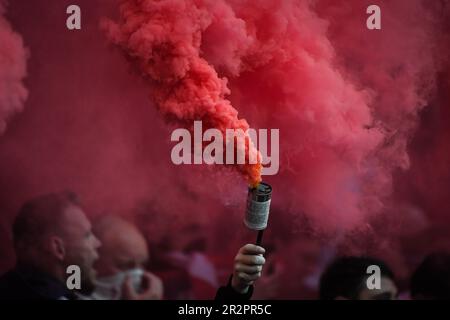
(229, 293)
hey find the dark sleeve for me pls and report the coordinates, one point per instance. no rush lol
(227, 293)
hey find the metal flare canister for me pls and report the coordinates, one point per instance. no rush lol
(258, 207)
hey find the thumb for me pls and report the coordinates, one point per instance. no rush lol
(128, 292)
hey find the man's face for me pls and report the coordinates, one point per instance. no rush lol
(387, 291)
(129, 252)
(80, 245)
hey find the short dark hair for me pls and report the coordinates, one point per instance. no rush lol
(431, 280)
(40, 215)
(346, 275)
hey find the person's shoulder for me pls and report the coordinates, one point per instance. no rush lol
(7, 279)
(12, 287)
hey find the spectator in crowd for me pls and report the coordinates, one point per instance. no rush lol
(50, 233)
(346, 278)
(189, 253)
(121, 265)
(431, 280)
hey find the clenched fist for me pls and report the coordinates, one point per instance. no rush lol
(248, 265)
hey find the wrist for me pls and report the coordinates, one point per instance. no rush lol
(238, 286)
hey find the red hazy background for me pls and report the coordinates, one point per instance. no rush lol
(363, 118)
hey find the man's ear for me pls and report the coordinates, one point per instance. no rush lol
(57, 248)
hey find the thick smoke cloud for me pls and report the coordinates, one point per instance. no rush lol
(164, 38)
(346, 98)
(13, 59)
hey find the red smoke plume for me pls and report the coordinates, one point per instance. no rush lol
(164, 37)
(13, 57)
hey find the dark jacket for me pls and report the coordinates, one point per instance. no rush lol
(227, 293)
(27, 283)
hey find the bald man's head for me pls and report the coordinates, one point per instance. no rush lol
(123, 246)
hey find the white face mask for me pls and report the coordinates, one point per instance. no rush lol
(110, 288)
